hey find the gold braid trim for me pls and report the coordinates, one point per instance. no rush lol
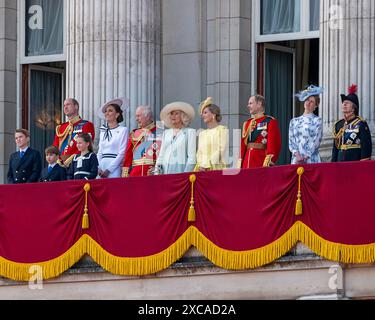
(250, 128)
(337, 136)
(145, 131)
(68, 130)
(268, 161)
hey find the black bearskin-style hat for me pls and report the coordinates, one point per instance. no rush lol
(352, 97)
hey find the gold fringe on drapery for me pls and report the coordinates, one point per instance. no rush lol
(50, 269)
(337, 252)
(140, 266)
(231, 260)
(240, 260)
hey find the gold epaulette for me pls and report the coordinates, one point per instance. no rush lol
(361, 119)
(358, 120)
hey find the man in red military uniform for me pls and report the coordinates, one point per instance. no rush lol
(143, 146)
(66, 133)
(261, 138)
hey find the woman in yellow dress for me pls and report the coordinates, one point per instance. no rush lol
(213, 143)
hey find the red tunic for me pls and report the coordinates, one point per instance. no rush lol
(141, 152)
(66, 134)
(260, 143)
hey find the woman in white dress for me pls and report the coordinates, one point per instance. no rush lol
(113, 140)
(178, 146)
(305, 132)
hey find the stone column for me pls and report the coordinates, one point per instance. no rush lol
(8, 82)
(229, 63)
(229, 58)
(184, 52)
(113, 50)
(347, 56)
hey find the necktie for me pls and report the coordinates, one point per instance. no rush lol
(22, 153)
(49, 169)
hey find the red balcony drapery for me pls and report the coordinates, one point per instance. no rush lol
(140, 226)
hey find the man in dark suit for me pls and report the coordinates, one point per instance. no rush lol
(24, 165)
(54, 172)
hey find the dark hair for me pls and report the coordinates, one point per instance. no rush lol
(261, 99)
(87, 138)
(216, 111)
(118, 110)
(52, 150)
(24, 132)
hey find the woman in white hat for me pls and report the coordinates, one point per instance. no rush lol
(178, 146)
(213, 143)
(113, 139)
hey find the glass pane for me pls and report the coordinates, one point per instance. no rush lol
(314, 15)
(280, 16)
(44, 27)
(45, 107)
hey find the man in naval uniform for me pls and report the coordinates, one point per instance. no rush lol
(352, 137)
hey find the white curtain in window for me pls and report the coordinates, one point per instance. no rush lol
(280, 16)
(314, 15)
(46, 36)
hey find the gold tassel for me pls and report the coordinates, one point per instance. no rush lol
(299, 209)
(85, 219)
(192, 215)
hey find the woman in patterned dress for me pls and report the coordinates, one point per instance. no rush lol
(305, 132)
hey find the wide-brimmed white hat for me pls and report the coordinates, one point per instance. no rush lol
(176, 106)
(123, 103)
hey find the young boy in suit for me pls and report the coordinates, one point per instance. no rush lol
(24, 165)
(53, 172)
